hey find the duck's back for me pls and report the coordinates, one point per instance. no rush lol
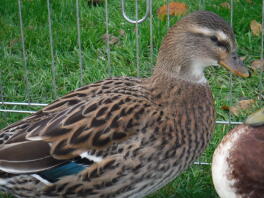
(122, 137)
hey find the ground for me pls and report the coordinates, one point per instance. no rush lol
(196, 181)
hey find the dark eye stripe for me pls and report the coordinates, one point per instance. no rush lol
(223, 44)
(214, 38)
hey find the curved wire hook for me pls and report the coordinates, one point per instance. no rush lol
(148, 2)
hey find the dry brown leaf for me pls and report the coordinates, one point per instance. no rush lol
(234, 110)
(112, 39)
(238, 107)
(245, 104)
(175, 9)
(255, 27)
(258, 65)
(249, 1)
(225, 5)
(13, 42)
(225, 108)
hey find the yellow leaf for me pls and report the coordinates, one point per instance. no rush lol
(255, 27)
(175, 9)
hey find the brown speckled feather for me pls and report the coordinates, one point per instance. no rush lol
(129, 126)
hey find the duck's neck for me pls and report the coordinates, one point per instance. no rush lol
(191, 69)
(173, 93)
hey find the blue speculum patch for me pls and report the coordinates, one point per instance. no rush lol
(54, 174)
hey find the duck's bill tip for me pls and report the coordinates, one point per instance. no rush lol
(237, 69)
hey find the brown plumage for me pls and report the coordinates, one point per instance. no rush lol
(123, 137)
(238, 162)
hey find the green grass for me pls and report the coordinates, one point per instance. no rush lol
(196, 181)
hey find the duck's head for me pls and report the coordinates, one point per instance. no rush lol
(196, 41)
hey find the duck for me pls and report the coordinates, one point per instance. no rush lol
(238, 161)
(124, 137)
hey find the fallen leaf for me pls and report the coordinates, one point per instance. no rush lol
(225, 108)
(112, 39)
(249, 1)
(255, 27)
(175, 9)
(245, 104)
(13, 42)
(239, 106)
(234, 110)
(225, 5)
(258, 65)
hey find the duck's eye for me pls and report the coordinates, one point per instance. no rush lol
(214, 38)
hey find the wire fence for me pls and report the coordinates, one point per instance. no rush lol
(136, 21)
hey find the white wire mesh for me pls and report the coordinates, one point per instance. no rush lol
(54, 86)
(79, 41)
(137, 21)
(24, 50)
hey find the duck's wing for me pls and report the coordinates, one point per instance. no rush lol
(61, 132)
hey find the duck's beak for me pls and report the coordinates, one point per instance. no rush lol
(256, 119)
(235, 65)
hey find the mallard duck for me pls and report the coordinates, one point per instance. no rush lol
(238, 161)
(124, 136)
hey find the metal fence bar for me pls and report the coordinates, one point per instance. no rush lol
(137, 40)
(24, 51)
(151, 51)
(201, 4)
(202, 163)
(261, 87)
(230, 75)
(16, 111)
(109, 68)
(43, 105)
(137, 20)
(1, 88)
(79, 41)
(53, 69)
(228, 122)
(22, 103)
(168, 13)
